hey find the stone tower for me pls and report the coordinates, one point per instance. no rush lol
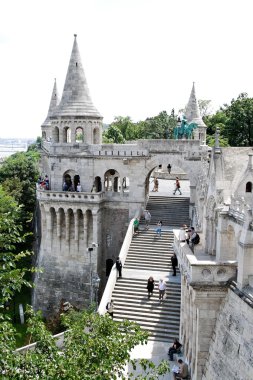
(192, 114)
(69, 224)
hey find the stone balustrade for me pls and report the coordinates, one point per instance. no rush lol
(107, 294)
(202, 269)
(192, 148)
(44, 195)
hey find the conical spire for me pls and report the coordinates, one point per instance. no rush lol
(76, 100)
(192, 112)
(53, 104)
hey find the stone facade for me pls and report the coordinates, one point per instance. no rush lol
(114, 182)
(231, 348)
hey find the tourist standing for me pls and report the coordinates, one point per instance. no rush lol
(169, 168)
(147, 217)
(161, 288)
(159, 228)
(150, 286)
(174, 263)
(136, 226)
(119, 266)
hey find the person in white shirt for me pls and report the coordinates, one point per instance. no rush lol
(147, 217)
(161, 288)
(182, 235)
(79, 187)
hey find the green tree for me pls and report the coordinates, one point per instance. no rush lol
(239, 125)
(113, 135)
(158, 127)
(12, 277)
(95, 348)
(18, 176)
(204, 107)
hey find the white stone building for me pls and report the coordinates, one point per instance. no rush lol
(114, 182)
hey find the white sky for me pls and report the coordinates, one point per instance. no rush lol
(140, 56)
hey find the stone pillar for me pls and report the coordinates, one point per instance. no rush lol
(67, 223)
(76, 219)
(245, 264)
(58, 223)
(208, 302)
(73, 127)
(49, 223)
(60, 135)
(85, 229)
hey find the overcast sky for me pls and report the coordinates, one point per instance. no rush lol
(140, 56)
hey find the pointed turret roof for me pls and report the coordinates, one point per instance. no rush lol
(53, 104)
(192, 112)
(76, 100)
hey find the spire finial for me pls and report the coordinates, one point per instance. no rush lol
(75, 35)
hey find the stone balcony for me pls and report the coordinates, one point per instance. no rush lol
(201, 268)
(47, 195)
(78, 197)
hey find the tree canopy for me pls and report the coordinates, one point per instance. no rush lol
(122, 129)
(12, 277)
(95, 347)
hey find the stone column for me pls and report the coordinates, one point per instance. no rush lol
(67, 223)
(49, 223)
(76, 219)
(85, 233)
(207, 300)
(58, 223)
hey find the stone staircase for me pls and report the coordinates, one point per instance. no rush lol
(161, 319)
(150, 252)
(149, 255)
(173, 211)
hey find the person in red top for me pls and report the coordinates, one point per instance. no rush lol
(177, 186)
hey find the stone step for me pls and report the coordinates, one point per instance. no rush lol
(135, 309)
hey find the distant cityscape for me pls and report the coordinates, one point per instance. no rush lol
(9, 146)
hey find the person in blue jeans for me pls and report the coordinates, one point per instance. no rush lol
(159, 228)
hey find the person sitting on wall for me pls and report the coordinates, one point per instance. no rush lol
(182, 372)
(136, 226)
(174, 349)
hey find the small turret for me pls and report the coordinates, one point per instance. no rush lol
(45, 127)
(192, 114)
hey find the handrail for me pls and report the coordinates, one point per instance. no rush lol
(113, 275)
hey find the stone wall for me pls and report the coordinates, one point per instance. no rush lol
(231, 350)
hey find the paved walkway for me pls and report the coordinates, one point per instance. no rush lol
(166, 188)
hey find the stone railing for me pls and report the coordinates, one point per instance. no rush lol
(107, 295)
(203, 270)
(59, 342)
(111, 150)
(44, 195)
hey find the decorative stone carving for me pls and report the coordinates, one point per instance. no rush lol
(206, 274)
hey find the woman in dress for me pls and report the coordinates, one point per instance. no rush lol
(150, 286)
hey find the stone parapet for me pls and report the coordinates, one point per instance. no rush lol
(204, 270)
(63, 196)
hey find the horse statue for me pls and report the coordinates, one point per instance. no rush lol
(184, 130)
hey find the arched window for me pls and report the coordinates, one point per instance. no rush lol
(112, 180)
(97, 185)
(79, 137)
(67, 135)
(249, 187)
